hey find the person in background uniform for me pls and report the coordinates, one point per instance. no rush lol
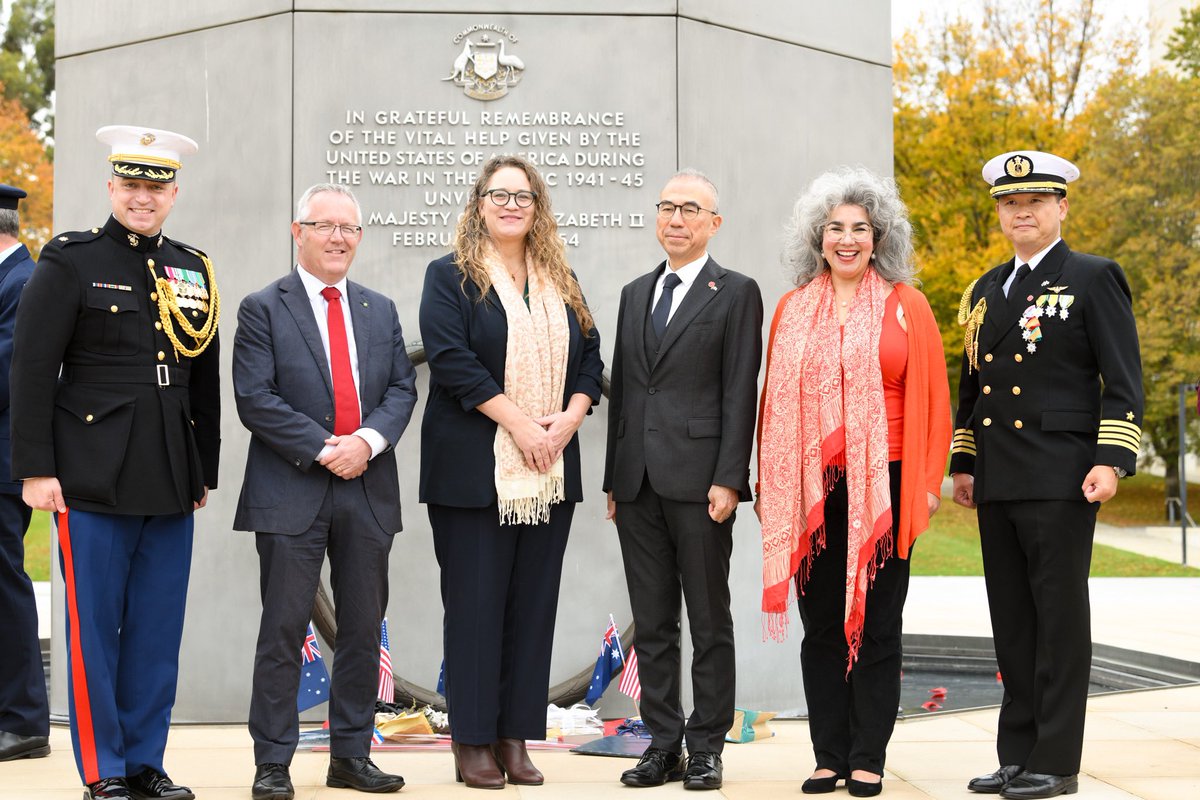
(24, 711)
(122, 446)
(325, 386)
(1049, 416)
(680, 431)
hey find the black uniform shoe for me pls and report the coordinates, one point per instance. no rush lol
(149, 784)
(361, 774)
(1033, 785)
(272, 782)
(703, 771)
(993, 783)
(14, 746)
(655, 768)
(107, 789)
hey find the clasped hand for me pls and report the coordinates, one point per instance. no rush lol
(348, 458)
(543, 440)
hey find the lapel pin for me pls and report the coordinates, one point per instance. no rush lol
(1045, 283)
(364, 303)
(712, 285)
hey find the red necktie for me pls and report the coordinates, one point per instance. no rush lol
(345, 398)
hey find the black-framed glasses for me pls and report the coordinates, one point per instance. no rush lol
(500, 197)
(326, 229)
(688, 210)
(859, 232)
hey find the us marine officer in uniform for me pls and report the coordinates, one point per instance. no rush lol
(24, 712)
(1049, 416)
(122, 447)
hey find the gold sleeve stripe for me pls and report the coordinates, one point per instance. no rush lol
(967, 451)
(1111, 442)
(1125, 441)
(1117, 425)
(967, 432)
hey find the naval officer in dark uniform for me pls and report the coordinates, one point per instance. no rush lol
(24, 712)
(1049, 416)
(122, 446)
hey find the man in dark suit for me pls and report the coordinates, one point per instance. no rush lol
(680, 431)
(1049, 415)
(24, 712)
(326, 388)
(127, 436)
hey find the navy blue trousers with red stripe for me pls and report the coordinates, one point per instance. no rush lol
(126, 585)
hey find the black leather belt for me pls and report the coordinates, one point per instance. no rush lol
(160, 375)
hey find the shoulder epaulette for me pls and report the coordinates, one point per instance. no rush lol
(196, 251)
(76, 237)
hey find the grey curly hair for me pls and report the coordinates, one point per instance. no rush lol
(856, 186)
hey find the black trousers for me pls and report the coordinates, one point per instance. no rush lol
(1036, 559)
(668, 545)
(289, 569)
(23, 707)
(500, 597)
(851, 718)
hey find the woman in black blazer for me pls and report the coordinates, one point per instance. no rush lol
(514, 362)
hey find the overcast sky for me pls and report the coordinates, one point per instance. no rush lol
(906, 13)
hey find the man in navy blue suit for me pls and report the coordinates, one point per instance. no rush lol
(24, 713)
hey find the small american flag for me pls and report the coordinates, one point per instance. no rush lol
(387, 684)
(630, 683)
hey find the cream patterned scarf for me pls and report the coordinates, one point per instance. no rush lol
(535, 375)
(816, 427)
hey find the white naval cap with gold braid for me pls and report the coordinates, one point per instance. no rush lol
(145, 153)
(1029, 171)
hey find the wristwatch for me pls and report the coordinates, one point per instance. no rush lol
(1120, 472)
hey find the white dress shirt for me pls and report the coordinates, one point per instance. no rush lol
(1033, 264)
(320, 306)
(8, 251)
(687, 276)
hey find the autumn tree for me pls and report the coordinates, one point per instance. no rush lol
(27, 59)
(1183, 46)
(23, 163)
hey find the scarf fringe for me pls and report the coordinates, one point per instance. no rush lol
(532, 509)
(882, 546)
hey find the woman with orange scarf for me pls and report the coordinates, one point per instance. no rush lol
(854, 431)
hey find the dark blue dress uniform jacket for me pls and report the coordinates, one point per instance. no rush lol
(14, 273)
(117, 441)
(1030, 425)
(465, 344)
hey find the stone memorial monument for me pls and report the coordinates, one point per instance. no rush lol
(403, 100)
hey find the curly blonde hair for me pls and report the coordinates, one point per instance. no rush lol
(542, 243)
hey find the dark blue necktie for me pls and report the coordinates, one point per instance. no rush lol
(1022, 272)
(662, 309)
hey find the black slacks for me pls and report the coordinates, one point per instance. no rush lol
(500, 598)
(851, 717)
(289, 570)
(23, 707)
(668, 545)
(1036, 559)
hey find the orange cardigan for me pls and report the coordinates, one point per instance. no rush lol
(927, 427)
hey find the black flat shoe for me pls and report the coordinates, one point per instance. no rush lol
(107, 789)
(150, 784)
(360, 773)
(703, 771)
(821, 785)
(862, 788)
(655, 768)
(993, 783)
(1036, 785)
(272, 782)
(14, 746)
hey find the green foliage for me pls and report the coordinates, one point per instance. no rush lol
(27, 58)
(37, 547)
(1184, 45)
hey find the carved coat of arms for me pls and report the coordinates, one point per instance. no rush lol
(485, 69)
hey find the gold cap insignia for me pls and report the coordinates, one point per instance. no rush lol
(147, 139)
(1018, 167)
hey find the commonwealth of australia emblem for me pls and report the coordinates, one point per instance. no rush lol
(483, 68)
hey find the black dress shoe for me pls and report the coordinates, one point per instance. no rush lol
(863, 788)
(361, 773)
(993, 783)
(655, 768)
(107, 789)
(149, 784)
(1033, 785)
(821, 785)
(703, 771)
(272, 782)
(14, 746)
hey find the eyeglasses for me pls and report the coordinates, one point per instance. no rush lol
(861, 232)
(326, 229)
(689, 210)
(500, 197)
